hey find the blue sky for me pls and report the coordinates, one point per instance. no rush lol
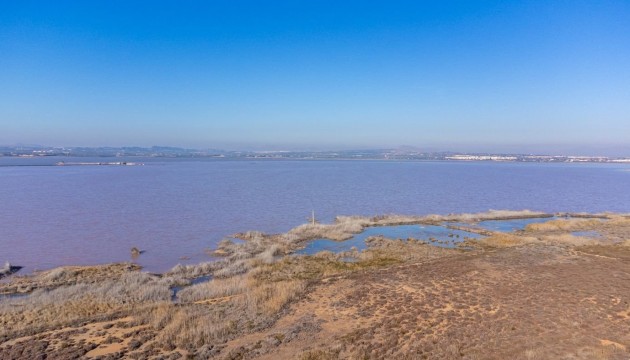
(530, 76)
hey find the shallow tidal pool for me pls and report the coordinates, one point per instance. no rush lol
(432, 234)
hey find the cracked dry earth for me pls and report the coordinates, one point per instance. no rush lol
(530, 302)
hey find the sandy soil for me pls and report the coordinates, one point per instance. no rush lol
(530, 302)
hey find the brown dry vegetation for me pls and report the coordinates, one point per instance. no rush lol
(532, 294)
(66, 275)
(564, 225)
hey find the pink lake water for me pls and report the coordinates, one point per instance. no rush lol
(175, 208)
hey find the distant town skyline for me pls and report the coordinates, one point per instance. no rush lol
(384, 152)
(489, 76)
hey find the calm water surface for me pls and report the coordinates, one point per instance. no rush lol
(448, 238)
(53, 215)
(510, 225)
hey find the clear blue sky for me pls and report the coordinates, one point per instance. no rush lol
(533, 76)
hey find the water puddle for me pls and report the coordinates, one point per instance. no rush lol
(510, 225)
(432, 234)
(14, 296)
(589, 233)
(197, 280)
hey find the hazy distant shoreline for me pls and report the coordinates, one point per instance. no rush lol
(375, 155)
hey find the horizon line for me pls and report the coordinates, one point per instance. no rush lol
(407, 148)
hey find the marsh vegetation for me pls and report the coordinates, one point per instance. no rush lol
(397, 298)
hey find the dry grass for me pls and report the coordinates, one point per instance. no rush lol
(619, 219)
(253, 284)
(243, 303)
(396, 219)
(269, 255)
(191, 327)
(564, 225)
(237, 267)
(197, 270)
(268, 298)
(67, 275)
(67, 305)
(343, 228)
(491, 215)
(327, 354)
(224, 308)
(568, 239)
(502, 240)
(464, 217)
(216, 288)
(534, 302)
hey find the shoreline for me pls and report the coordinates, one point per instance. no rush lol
(259, 300)
(342, 229)
(150, 159)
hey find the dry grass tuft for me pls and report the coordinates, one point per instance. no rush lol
(268, 298)
(232, 269)
(568, 239)
(501, 240)
(193, 326)
(327, 354)
(343, 228)
(196, 270)
(619, 220)
(66, 305)
(564, 225)
(216, 288)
